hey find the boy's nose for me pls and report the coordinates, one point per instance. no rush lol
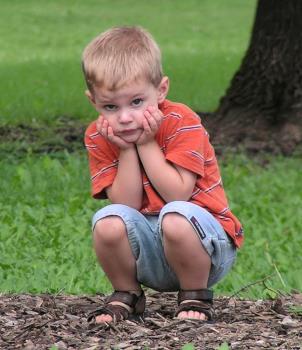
(125, 116)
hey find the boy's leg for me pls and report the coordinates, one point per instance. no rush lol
(186, 256)
(116, 247)
(127, 249)
(196, 248)
(113, 251)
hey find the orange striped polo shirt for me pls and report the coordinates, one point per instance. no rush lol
(184, 142)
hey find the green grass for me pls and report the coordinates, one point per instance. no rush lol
(202, 41)
(45, 215)
(46, 208)
(268, 201)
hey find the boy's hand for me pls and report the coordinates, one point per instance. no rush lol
(106, 131)
(151, 123)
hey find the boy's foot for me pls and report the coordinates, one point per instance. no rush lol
(195, 304)
(119, 306)
(113, 312)
(192, 315)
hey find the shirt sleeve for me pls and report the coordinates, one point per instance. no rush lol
(185, 143)
(103, 163)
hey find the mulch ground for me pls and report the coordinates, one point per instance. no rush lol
(33, 322)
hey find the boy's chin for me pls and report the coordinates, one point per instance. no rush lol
(132, 138)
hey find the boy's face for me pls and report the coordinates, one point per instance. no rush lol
(124, 107)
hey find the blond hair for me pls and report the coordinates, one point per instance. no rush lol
(121, 55)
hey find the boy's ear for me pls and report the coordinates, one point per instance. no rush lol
(90, 97)
(163, 89)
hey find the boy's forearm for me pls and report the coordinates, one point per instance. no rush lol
(127, 186)
(163, 175)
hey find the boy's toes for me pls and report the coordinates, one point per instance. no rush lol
(103, 319)
(195, 315)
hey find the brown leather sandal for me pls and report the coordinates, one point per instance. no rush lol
(118, 312)
(200, 300)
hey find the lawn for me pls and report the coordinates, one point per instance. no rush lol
(42, 41)
(45, 206)
(45, 225)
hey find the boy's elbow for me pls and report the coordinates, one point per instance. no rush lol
(181, 191)
(178, 197)
(132, 204)
(135, 203)
(137, 206)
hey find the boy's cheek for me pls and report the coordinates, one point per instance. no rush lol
(109, 120)
(140, 122)
(141, 119)
(106, 118)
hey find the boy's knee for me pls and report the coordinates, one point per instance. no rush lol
(175, 226)
(109, 231)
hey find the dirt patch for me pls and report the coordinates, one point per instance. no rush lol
(66, 134)
(35, 322)
(245, 135)
(254, 135)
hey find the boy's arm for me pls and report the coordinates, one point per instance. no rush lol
(172, 182)
(127, 186)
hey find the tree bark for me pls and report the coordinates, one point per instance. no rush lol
(267, 89)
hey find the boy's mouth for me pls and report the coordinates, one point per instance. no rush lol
(128, 132)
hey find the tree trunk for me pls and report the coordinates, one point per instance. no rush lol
(266, 91)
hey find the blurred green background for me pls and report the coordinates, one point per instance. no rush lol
(42, 41)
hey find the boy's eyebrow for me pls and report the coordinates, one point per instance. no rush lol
(104, 99)
(137, 96)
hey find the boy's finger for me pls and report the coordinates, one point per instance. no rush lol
(105, 127)
(104, 132)
(156, 113)
(153, 122)
(110, 132)
(99, 123)
(158, 117)
(149, 116)
(146, 125)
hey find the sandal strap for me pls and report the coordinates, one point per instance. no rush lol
(127, 298)
(200, 294)
(118, 312)
(136, 302)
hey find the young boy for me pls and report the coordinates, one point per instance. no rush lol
(169, 226)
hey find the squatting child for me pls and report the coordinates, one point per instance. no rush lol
(169, 226)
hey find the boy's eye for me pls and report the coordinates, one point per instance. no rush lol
(110, 107)
(137, 102)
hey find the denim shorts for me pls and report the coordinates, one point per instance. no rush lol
(145, 238)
